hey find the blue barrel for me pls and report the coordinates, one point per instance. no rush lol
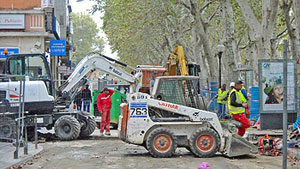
(254, 109)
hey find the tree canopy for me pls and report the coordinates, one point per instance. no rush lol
(86, 38)
(147, 31)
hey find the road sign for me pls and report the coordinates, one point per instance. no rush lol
(10, 52)
(57, 47)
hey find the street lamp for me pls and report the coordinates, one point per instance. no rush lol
(220, 49)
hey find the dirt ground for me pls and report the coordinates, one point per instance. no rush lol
(115, 154)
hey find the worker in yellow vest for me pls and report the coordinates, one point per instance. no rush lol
(244, 100)
(237, 105)
(222, 97)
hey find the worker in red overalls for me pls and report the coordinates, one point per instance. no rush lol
(104, 105)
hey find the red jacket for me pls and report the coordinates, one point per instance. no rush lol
(104, 102)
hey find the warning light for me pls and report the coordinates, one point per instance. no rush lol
(5, 51)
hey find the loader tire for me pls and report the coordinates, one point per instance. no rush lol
(88, 127)
(161, 143)
(67, 128)
(8, 127)
(204, 142)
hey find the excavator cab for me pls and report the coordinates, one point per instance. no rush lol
(35, 66)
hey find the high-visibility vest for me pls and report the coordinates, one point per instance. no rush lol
(238, 96)
(222, 95)
(244, 100)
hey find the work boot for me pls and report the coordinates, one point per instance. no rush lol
(101, 134)
(107, 133)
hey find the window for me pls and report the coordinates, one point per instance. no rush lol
(15, 66)
(171, 91)
(36, 21)
(35, 68)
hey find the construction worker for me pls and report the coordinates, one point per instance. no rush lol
(222, 97)
(244, 100)
(78, 101)
(232, 84)
(237, 107)
(104, 105)
(86, 97)
(244, 92)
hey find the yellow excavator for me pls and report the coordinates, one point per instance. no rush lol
(177, 64)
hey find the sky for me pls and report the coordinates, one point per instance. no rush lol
(83, 7)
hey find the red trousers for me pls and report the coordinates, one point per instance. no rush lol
(245, 123)
(105, 120)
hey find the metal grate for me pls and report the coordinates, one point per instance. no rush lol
(171, 91)
(180, 91)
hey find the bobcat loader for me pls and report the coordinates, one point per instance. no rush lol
(171, 117)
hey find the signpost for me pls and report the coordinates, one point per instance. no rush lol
(10, 52)
(57, 47)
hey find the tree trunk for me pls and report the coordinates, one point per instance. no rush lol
(260, 33)
(230, 55)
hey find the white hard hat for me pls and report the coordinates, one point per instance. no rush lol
(232, 84)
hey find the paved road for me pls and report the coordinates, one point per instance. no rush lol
(115, 154)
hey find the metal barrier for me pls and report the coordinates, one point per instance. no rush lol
(13, 126)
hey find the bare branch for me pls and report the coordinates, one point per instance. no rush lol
(205, 6)
(281, 33)
(213, 15)
(185, 5)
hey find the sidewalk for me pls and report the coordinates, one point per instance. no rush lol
(7, 154)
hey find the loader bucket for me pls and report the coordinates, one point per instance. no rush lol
(237, 146)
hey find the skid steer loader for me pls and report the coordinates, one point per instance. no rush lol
(171, 117)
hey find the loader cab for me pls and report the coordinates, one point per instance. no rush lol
(182, 90)
(35, 66)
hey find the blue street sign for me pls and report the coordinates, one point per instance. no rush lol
(57, 47)
(10, 52)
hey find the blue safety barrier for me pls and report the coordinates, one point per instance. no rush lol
(214, 90)
(254, 109)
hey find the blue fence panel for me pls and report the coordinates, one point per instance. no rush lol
(254, 109)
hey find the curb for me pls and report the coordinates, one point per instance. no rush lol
(26, 159)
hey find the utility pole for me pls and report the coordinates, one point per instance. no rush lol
(284, 115)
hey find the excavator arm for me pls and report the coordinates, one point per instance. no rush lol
(100, 62)
(177, 63)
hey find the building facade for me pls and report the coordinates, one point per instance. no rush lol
(27, 26)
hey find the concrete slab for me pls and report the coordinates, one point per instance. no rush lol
(7, 154)
(274, 133)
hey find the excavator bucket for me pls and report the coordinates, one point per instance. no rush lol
(236, 145)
